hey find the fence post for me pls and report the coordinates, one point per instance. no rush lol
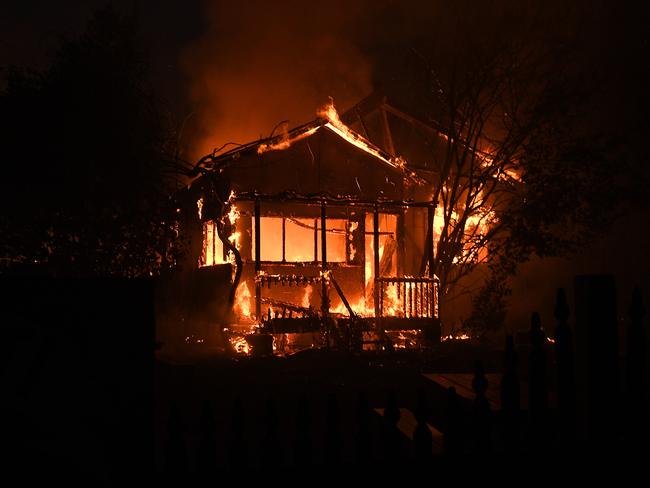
(566, 387)
(207, 451)
(175, 450)
(537, 386)
(422, 438)
(453, 429)
(510, 397)
(481, 414)
(596, 331)
(636, 385)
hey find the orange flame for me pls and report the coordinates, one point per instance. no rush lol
(243, 301)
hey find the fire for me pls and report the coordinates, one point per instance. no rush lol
(243, 301)
(353, 227)
(199, 205)
(336, 125)
(306, 298)
(359, 306)
(405, 339)
(212, 245)
(476, 225)
(239, 344)
(285, 142)
(456, 337)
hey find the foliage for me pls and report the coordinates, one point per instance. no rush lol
(85, 187)
(522, 168)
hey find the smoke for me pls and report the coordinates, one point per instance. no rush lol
(260, 63)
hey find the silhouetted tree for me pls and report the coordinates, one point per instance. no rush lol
(86, 177)
(517, 166)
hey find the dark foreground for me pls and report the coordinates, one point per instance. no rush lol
(84, 397)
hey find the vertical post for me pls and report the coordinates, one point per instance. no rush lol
(325, 306)
(214, 243)
(401, 245)
(388, 139)
(596, 333)
(375, 241)
(284, 238)
(430, 214)
(315, 240)
(258, 264)
(427, 300)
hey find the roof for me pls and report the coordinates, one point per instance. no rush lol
(328, 120)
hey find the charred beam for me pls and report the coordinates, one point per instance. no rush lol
(258, 263)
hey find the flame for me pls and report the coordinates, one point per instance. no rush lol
(306, 298)
(336, 125)
(359, 307)
(199, 204)
(285, 142)
(456, 337)
(239, 344)
(212, 245)
(353, 227)
(477, 225)
(405, 339)
(243, 301)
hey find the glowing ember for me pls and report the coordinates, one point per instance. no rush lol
(239, 344)
(456, 337)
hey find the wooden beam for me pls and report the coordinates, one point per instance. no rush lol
(388, 137)
(401, 242)
(375, 240)
(258, 263)
(325, 306)
(430, 214)
(284, 239)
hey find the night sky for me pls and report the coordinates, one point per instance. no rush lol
(237, 69)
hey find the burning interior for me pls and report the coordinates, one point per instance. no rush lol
(316, 235)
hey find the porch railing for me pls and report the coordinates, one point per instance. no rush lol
(408, 297)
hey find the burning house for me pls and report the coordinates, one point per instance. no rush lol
(316, 231)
